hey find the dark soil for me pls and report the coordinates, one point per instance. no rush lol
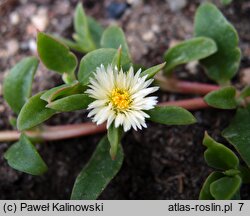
(161, 162)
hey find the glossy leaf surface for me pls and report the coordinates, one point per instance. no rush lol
(210, 22)
(224, 98)
(55, 55)
(33, 113)
(24, 157)
(97, 173)
(17, 84)
(187, 51)
(219, 156)
(171, 115)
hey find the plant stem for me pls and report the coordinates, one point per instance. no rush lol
(190, 104)
(184, 87)
(60, 132)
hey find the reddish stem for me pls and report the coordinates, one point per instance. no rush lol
(190, 104)
(76, 130)
(67, 131)
(185, 87)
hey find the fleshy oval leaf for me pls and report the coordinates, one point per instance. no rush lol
(82, 29)
(219, 156)
(224, 98)
(17, 84)
(237, 133)
(225, 188)
(33, 113)
(223, 65)
(24, 157)
(71, 103)
(100, 168)
(55, 55)
(94, 59)
(114, 136)
(187, 51)
(205, 193)
(48, 94)
(171, 115)
(151, 72)
(113, 37)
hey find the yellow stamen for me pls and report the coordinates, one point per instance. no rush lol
(120, 98)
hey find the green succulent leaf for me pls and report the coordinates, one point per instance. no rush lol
(187, 51)
(17, 84)
(94, 59)
(82, 29)
(48, 94)
(225, 188)
(33, 113)
(231, 172)
(69, 43)
(224, 98)
(151, 72)
(63, 91)
(205, 193)
(71, 103)
(80, 21)
(24, 157)
(55, 55)
(219, 156)
(113, 37)
(98, 172)
(75, 88)
(237, 133)
(96, 31)
(114, 137)
(171, 115)
(117, 59)
(222, 65)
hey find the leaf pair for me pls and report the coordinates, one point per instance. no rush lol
(220, 185)
(43, 105)
(215, 45)
(227, 97)
(17, 84)
(87, 34)
(115, 51)
(24, 157)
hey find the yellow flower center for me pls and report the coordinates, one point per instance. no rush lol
(120, 98)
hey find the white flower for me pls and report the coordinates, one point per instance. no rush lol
(120, 97)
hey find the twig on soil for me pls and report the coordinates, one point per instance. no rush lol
(184, 87)
(49, 133)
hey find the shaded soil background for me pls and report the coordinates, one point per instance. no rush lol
(161, 162)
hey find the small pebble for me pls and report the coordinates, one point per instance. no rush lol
(148, 36)
(135, 3)
(116, 10)
(192, 67)
(176, 5)
(245, 76)
(12, 47)
(32, 45)
(62, 7)
(14, 18)
(40, 20)
(2, 108)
